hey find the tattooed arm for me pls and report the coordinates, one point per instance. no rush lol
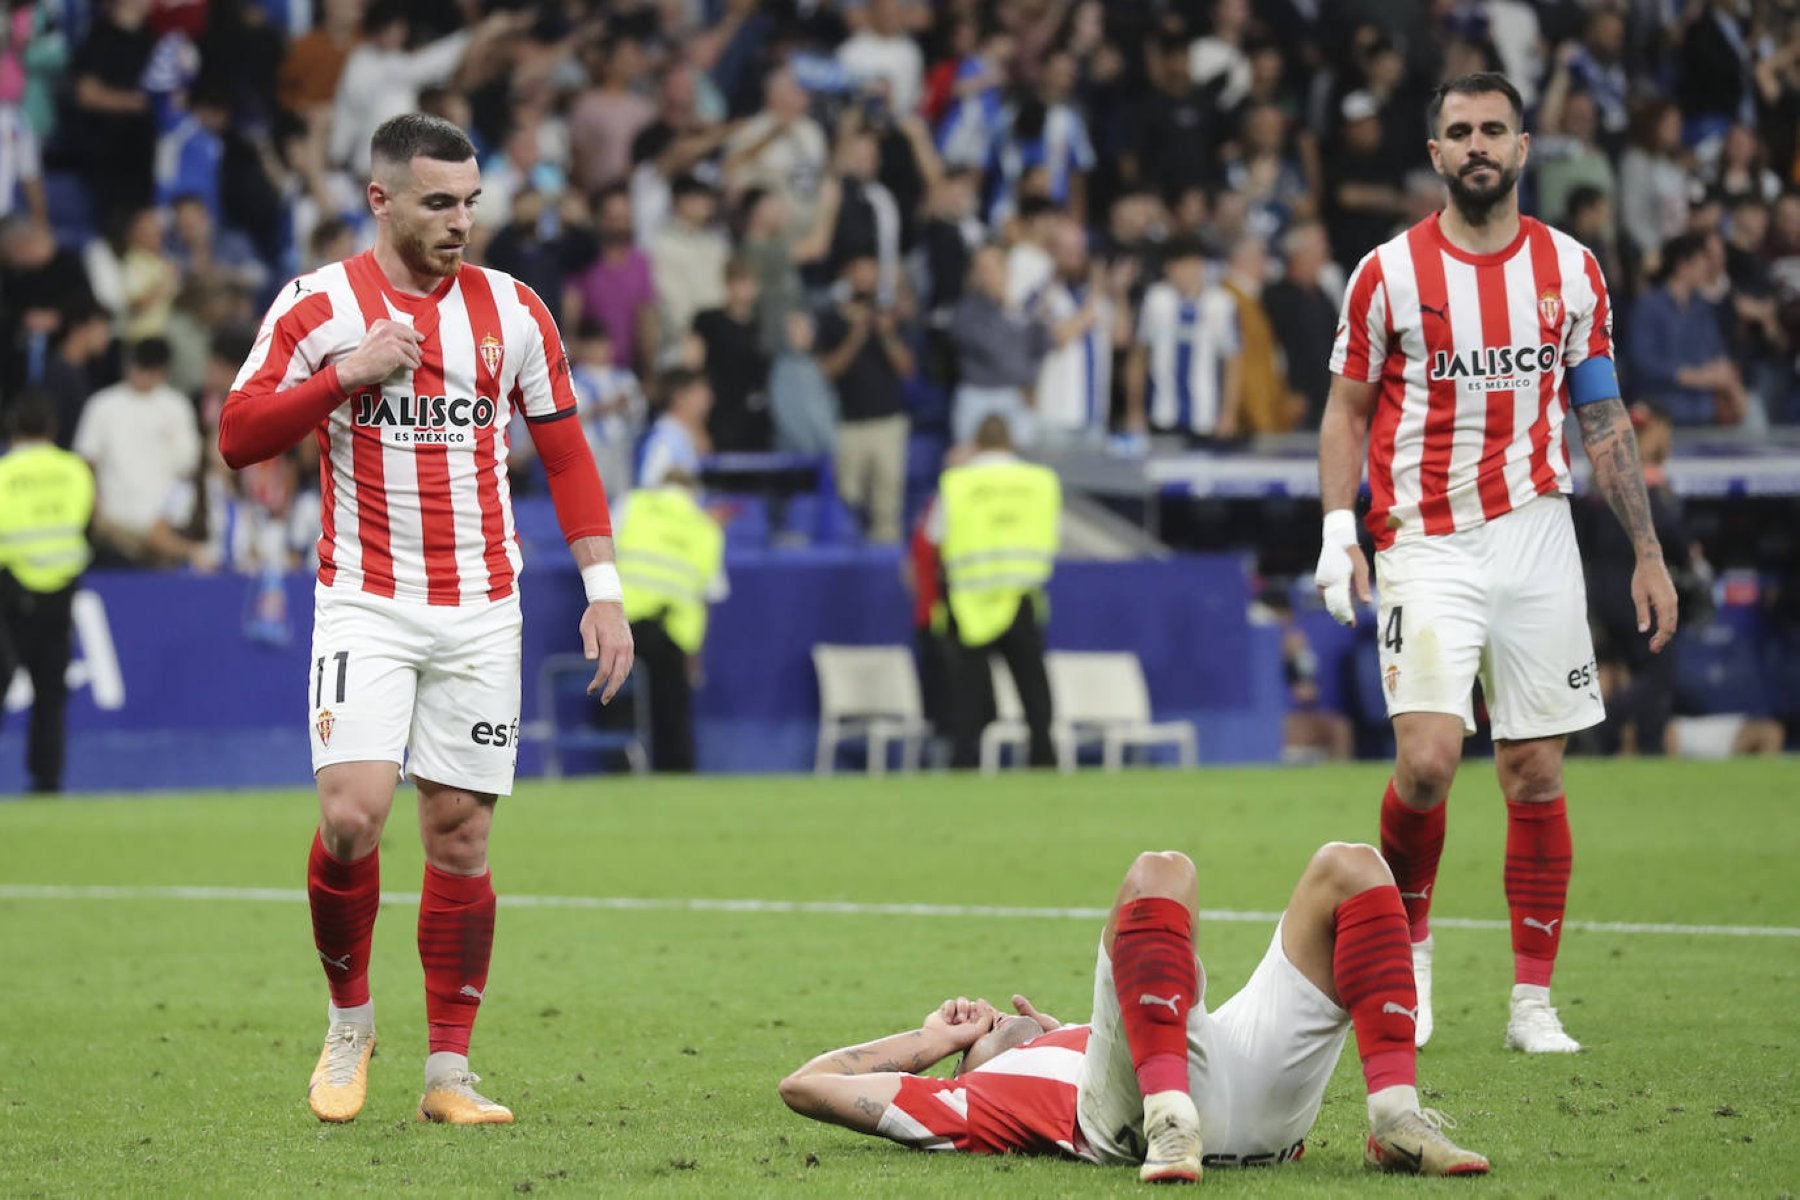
(853, 1086)
(1611, 447)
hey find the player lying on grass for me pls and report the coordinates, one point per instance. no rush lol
(1154, 1076)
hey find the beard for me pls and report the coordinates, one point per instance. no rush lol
(1477, 203)
(426, 257)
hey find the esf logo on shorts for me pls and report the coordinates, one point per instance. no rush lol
(1495, 367)
(421, 420)
(497, 733)
(1583, 675)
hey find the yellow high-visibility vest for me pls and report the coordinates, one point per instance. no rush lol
(670, 551)
(1000, 534)
(46, 501)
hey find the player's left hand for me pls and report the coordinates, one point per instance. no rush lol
(1045, 1021)
(606, 642)
(1653, 592)
(962, 1020)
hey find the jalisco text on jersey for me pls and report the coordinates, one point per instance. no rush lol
(424, 412)
(1490, 361)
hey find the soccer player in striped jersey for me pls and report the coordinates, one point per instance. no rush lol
(1464, 343)
(1154, 1080)
(406, 365)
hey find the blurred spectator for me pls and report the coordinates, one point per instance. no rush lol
(781, 150)
(38, 47)
(21, 164)
(41, 285)
(1569, 158)
(999, 347)
(71, 373)
(1029, 267)
(1594, 67)
(1267, 175)
(190, 154)
(1217, 62)
(308, 80)
(133, 275)
(802, 404)
(1177, 125)
(110, 130)
(948, 237)
(141, 437)
(776, 258)
(687, 258)
(383, 78)
(868, 219)
(1589, 220)
(1362, 200)
(1185, 373)
(542, 246)
(681, 141)
(1653, 182)
(1086, 320)
(678, 439)
(332, 240)
(202, 307)
(606, 118)
(618, 290)
(1267, 404)
(1678, 354)
(1716, 86)
(1763, 348)
(1044, 136)
(610, 405)
(1303, 309)
(861, 351)
(1309, 732)
(518, 165)
(242, 51)
(737, 366)
(1742, 168)
(881, 52)
(973, 82)
(202, 251)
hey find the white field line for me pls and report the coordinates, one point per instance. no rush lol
(28, 891)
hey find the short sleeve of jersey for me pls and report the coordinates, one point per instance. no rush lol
(284, 352)
(1360, 348)
(928, 1114)
(545, 390)
(1155, 318)
(1590, 332)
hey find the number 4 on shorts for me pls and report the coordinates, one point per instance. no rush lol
(1391, 638)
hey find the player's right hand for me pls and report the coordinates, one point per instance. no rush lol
(387, 347)
(1341, 568)
(962, 1020)
(1045, 1021)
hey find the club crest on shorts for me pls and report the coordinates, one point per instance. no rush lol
(1392, 675)
(492, 352)
(1550, 307)
(324, 725)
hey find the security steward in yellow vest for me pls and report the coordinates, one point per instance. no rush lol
(671, 562)
(1000, 519)
(46, 502)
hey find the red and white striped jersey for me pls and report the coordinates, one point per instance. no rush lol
(1471, 352)
(1019, 1102)
(416, 504)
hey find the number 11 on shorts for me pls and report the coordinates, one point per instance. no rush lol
(342, 658)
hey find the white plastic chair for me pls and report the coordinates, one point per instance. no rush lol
(869, 693)
(1103, 697)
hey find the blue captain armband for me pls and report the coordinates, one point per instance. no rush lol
(1592, 381)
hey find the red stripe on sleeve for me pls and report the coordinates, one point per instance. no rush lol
(556, 362)
(1356, 318)
(374, 528)
(1546, 273)
(484, 322)
(1600, 331)
(327, 509)
(1440, 394)
(1497, 429)
(291, 328)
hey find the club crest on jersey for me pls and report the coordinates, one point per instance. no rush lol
(1496, 367)
(1550, 308)
(492, 352)
(325, 724)
(1393, 678)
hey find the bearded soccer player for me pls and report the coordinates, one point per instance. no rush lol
(1155, 1080)
(1464, 344)
(406, 364)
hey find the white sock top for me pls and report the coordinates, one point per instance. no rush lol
(1391, 1102)
(361, 1015)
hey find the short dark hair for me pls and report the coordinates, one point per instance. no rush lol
(31, 415)
(1181, 246)
(1476, 83)
(401, 139)
(231, 345)
(1680, 250)
(151, 353)
(689, 185)
(1583, 197)
(675, 380)
(590, 330)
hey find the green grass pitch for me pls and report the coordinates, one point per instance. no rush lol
(160, 1046)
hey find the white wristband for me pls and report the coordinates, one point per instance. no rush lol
(1340, 528)
(601, 582)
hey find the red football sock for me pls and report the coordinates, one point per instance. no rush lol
(1538, 857)
(456, 938)
(345, 897)
(1371, 963)
(1154, 974)
(1411, 841)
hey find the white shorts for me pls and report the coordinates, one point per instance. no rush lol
(1505, 600)
(1257, 1068)
(435, 687)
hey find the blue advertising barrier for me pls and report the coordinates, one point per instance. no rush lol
(170, 690)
